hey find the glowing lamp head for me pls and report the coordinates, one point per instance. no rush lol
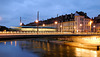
(74, 27)
(56, 22)
(61, 26)
(91, 22)
(20, 24)
(94, 26)
(36, 21)
(80, 24)
(77, 30)
(43, 25)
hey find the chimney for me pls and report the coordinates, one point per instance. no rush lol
(76, 11)
(66, 16)
(71, 15)
(86, 14)
(92, 18)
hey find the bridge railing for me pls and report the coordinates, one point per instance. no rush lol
(34, 32)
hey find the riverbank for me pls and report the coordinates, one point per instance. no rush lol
(76, 44)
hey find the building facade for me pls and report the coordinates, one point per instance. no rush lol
(96, 24)
(82, 24)
(96, 27)
(79, 23)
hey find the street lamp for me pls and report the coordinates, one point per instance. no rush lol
(56, 25)
(61, 27)
(56, 22)
(94, 28)
(37, 25)
(91, 22)
(21, 24)
(43, 25)
(74, 29)
(81, 26)
(90, 25)
(36, 21)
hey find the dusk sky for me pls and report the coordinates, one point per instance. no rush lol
(12, 10)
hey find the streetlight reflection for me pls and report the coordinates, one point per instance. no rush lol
(5, 43)
(15, 43)
(85, 52)
(11, 42)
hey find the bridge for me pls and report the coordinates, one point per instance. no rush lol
(86, 38)
(18, 34)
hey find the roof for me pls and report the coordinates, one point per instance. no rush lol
(62, 18)
(82, 14)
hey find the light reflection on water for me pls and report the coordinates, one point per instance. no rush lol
(32, 48)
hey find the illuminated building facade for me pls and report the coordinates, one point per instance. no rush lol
(82, 23)
(96, 24)
(78, 22)
(96, 27)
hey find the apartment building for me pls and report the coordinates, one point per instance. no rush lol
(96, 24)
(78, 22)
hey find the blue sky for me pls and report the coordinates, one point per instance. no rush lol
(12, 10)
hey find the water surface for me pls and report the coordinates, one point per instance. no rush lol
(33, 48)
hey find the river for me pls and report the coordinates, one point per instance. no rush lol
(33, 48)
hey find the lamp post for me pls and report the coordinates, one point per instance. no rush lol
(82, 27)
(37, 25)
(94, 28)
(37, 21)
(56, 25)
(20, 22)
(74, 29)
(90, 25)
(61, 27)
(43, 25)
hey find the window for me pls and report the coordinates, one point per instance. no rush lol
(81, 22)
(81, 19)
(76, 23)
(85, 22)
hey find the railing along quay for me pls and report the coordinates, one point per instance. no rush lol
(31, 32)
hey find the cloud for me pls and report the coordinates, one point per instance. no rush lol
(11, 10)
